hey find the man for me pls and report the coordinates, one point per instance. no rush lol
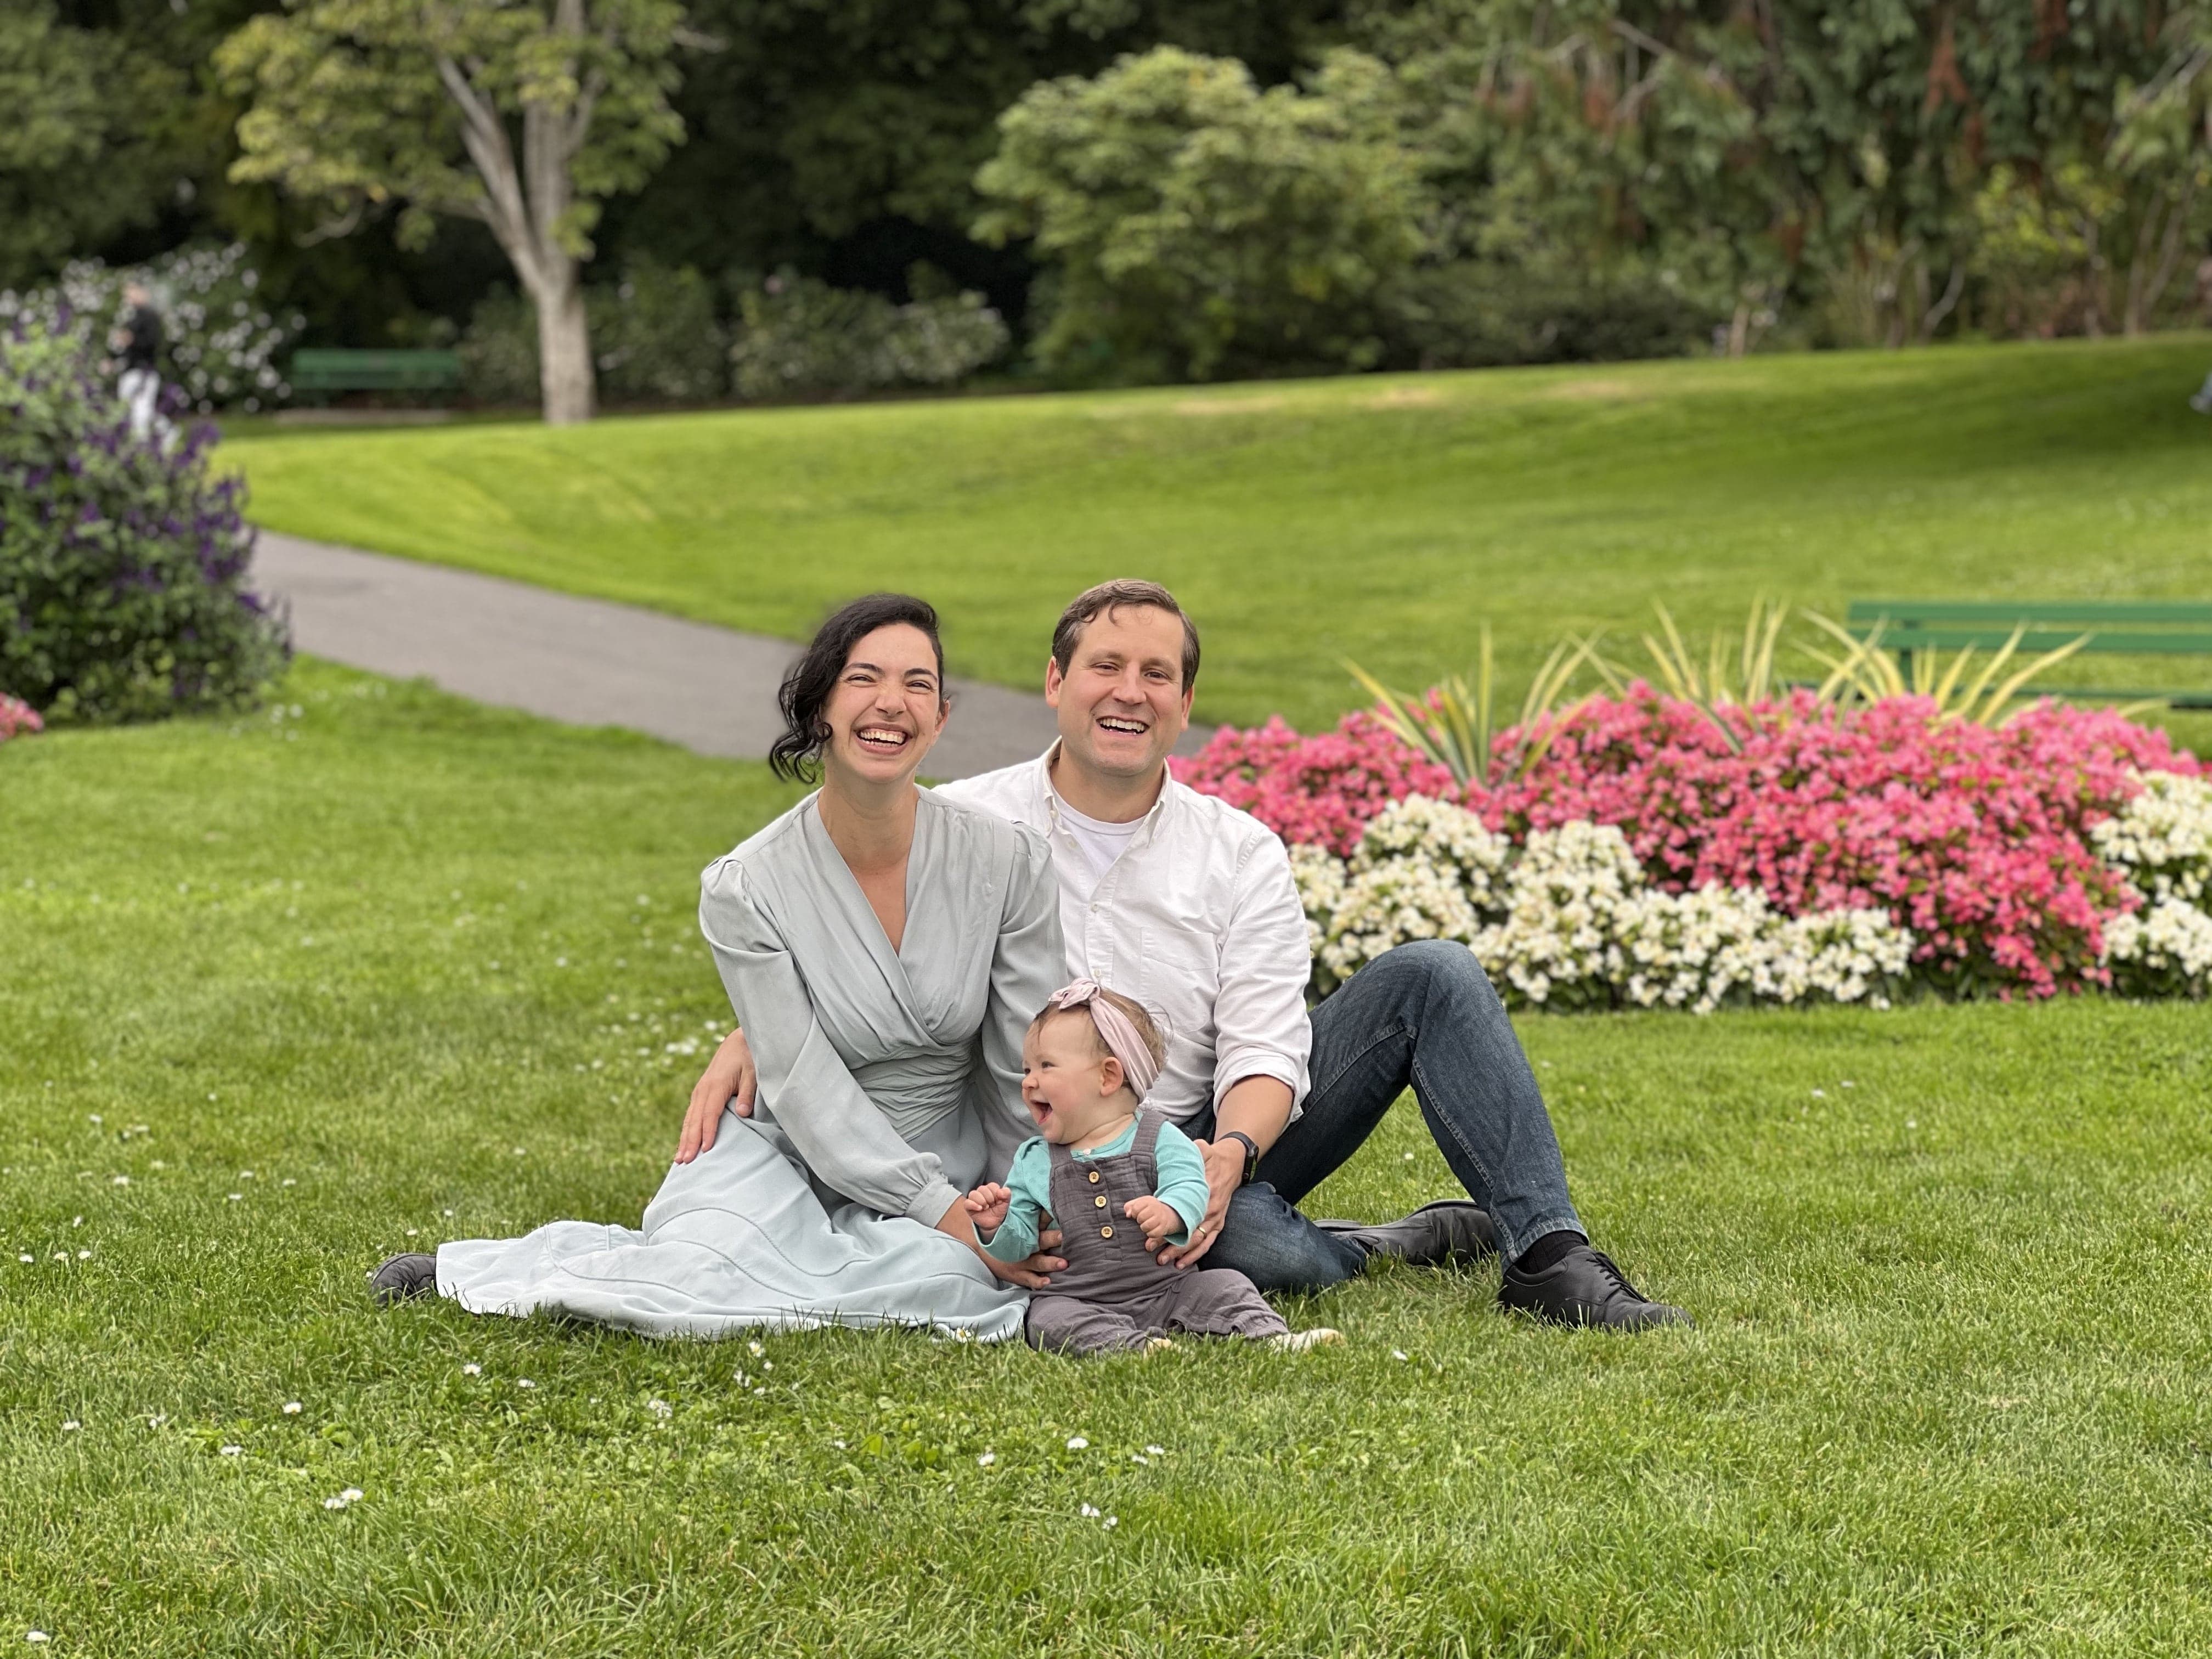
(137, 343)
(1187, 904)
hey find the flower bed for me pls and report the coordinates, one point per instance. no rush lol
(17, 717)
(1651, 856)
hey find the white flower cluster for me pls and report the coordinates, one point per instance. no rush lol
(2162, 842)
(223, 342)
(2164, 950)
(1570, 919)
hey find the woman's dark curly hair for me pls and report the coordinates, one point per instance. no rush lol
(797, 754)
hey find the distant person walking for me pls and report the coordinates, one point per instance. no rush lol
(137, 344)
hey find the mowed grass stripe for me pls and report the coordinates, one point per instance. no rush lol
(1948, 1392)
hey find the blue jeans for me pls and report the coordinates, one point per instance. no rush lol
(1424, 1015)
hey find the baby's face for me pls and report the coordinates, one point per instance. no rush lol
(1064, 1080)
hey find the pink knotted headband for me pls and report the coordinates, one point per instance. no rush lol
(1121, 1037)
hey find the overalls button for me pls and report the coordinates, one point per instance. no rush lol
(1105, 1233)
(1094, 1178)
(1100, 1200)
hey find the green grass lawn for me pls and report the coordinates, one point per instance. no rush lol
(429, 971)
(1377, 518)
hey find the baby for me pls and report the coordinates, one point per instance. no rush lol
(1121, 1183)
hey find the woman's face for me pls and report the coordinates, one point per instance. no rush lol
(887, 707)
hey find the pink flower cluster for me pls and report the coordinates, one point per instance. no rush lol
(1974, 838)
(17, 716)
(1316, 791)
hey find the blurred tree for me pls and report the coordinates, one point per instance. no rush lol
(523, 117)
(82, 139)
(1203, 227)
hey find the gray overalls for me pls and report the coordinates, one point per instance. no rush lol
(1113, 1293)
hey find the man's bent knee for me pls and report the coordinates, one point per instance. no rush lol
(1431, 968)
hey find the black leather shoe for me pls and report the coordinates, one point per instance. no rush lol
(1584, 1287)
(1434, 1236)
(404, 1278)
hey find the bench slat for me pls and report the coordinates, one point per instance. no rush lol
(342, 370)
(2006, 614)
(2102, 642)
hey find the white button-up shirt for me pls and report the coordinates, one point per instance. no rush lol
(1199, 920)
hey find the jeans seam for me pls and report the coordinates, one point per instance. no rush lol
(1489, 1181)
(1396, 1029)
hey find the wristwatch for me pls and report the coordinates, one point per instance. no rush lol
(1251, 1154)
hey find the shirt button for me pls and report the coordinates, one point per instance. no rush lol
(1100, 1200)
(1105, 1233)
(1094, 1178)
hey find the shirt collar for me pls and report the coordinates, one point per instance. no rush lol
(1051, 802)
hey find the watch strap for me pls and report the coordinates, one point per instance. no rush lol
(1251, 1154)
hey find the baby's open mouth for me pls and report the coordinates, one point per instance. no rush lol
(888, 739)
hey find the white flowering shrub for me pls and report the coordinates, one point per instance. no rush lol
(223, 343)
(1570, 920)
(2164, 950)
(2163, 839)
(1448, 835)
(1567, 903)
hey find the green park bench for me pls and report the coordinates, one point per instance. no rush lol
(325, 370)
(2137, 629)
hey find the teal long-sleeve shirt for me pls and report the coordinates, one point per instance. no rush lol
(1182, 1187)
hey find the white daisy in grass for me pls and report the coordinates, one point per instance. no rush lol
(36, 1636)
(71, 1427)
(524, 1382)
(473, 1370)
(1156, 1451)
(987, 1460)
(1089, 1513)
(660, 1408)
(229, 1451)
(1076, 1442)
(291, 1408)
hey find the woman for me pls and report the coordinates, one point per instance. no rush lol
(883, 949)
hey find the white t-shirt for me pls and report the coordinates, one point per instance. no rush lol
(1101, 843)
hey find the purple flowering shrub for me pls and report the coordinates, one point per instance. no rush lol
(123, 564)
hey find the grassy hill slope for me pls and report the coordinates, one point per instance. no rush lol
(1377, 518)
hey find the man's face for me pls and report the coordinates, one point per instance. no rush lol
(1122, 703)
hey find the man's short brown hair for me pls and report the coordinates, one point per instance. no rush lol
(1112, 596)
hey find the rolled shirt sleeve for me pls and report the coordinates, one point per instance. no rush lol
(1260, 1026)
(842, 1135)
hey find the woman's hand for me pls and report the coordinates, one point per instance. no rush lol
(730, 1079)
(1156, 1216)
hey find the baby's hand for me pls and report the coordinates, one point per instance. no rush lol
(1157, 1217)
(987, 1206)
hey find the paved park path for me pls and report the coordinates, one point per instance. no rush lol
(591, 662)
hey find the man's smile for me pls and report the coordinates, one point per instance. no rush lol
(1124, 723)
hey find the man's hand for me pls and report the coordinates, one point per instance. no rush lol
(1225, 1173)
(987, 1205)
(730, 1077)
(1156, 1216)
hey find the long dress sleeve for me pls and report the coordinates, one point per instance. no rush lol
(843, 1136)
(1027, 967)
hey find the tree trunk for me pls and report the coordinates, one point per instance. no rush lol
(565, 349)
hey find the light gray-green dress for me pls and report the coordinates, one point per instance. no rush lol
(889, 1084)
